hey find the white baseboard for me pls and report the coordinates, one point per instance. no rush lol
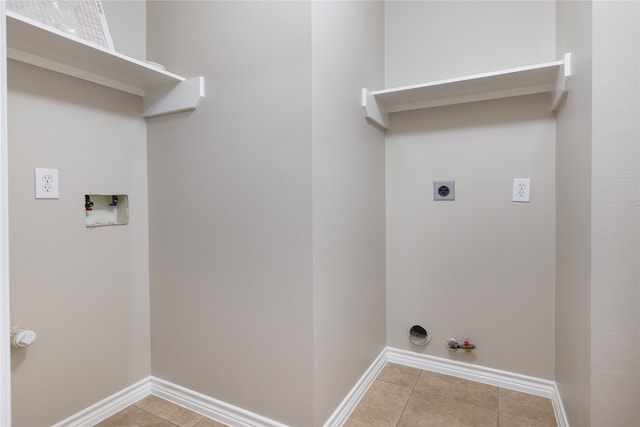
(504, 379)
(558, 407)
(197, 402)
(238, 417)
(481, 374)
(208, 406)
(341, 414)
(105, 408)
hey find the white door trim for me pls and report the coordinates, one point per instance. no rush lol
(5, 319)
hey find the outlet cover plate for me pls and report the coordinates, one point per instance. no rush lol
(521, 190)
(444, 190)
(46, 184)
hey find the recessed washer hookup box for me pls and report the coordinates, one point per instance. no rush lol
(106, 209)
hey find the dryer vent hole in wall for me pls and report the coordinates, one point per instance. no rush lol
(102, 210)
(419, 335)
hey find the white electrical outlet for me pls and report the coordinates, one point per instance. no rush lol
(46, 184)
(521, 189)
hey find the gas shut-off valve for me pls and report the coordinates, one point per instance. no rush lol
(454, 345)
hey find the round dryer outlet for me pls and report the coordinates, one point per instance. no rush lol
(419, 335)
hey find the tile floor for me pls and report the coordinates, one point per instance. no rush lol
(408, 397)
(153, 411)
(399, 397)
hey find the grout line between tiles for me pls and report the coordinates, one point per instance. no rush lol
(498, 407)
(413, 387)
(404, 408)
(416, 382)
(155, 415)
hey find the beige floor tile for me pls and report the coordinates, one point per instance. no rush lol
(381, 406)
(511, 420)
(206, 422)
(354, 422)
(399, 374)
(169, 411)
(437, 411)
(133, 416)
(526, 406)
(448, 387)
(400, 397)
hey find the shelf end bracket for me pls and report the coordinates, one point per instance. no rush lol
(374, 111)
(562, 82)
(185, 96)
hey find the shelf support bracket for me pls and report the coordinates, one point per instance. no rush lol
(374, 111)
(562, 82)
(185, 96)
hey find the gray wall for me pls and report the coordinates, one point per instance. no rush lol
(481, 267)
(598, 243)
(266, 208)
(433, 40)
(84, 291)
(615, 203)
(280, 284)
(348, 198)
(230, 207)
(573, 216)
(127, 25)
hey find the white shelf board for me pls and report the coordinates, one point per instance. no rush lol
(539, 78)
(36, 44)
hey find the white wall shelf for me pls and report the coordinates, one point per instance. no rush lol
(162, 92)
(540, 78)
